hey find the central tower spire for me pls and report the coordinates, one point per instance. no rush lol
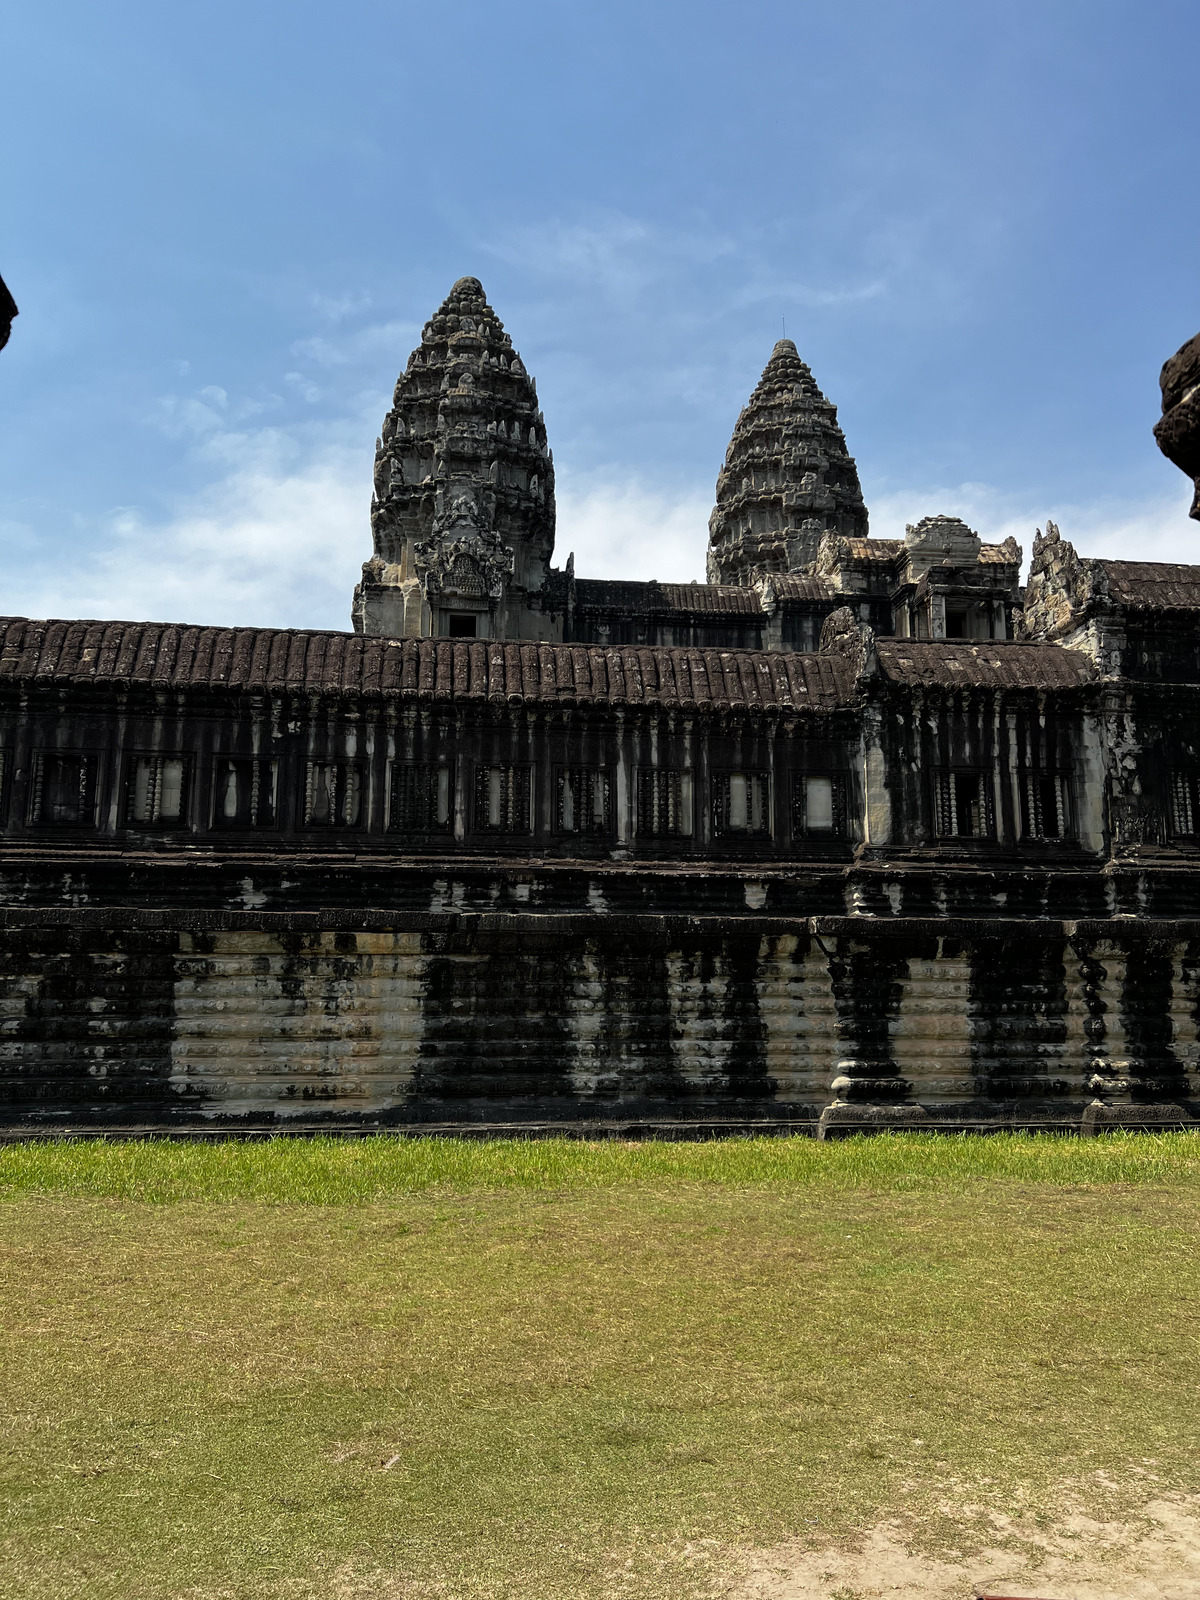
(462, 517)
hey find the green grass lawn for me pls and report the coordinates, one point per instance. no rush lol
(387, 1368)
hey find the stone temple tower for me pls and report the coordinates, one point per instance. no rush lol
(787, 478)
(462, 515)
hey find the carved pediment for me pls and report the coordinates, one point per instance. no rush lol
(464, 556)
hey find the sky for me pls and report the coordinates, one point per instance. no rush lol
(224, 225)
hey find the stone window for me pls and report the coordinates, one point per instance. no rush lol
(156, 792)
(64, 789)
(963, 805)
(245, 793)
(741, 803)
(819, 805)
(503, 799)
(421, 798)
(1185, 803)
(333, 794)
(583, 800)
(1045, 805)
(664, 802)
(461, 624)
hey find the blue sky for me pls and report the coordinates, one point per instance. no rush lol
(225, 224)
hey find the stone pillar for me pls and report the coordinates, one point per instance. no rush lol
(877, 799)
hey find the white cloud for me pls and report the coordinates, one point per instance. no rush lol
(276, 542)
(619, 527)
(304, 387)
(279, 541)
(782, 292)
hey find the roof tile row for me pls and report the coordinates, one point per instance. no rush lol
(995, 665)
(171, 655)
(1154, 585)
(616, 594)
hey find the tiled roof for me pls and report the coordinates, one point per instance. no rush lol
(614, 594)
(791, 586)
(875, 549)
(699, 599)
(997, 665)
(169, 655)
(1156, 585)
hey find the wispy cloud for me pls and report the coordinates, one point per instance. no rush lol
(279, 534)
(280, 538)
(360, 345)
(617, 256)
(277, 540)
(623, 258)
(620, 527)
(337, 307)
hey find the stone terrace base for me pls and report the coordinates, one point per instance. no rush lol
(625, 1026)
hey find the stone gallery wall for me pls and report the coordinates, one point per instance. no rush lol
(861, 833)
(116, 1019)
(253, 879)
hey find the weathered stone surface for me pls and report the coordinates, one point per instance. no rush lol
(462, 514)
(787, 478)
(1178, 433)
(835, 1025)
(463, 522)
(940, 541)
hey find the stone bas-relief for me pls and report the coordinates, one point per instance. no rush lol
(861, 834)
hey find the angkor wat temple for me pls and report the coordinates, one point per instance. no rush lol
(860, 832)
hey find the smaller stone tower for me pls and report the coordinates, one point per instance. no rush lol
(462, 516)
(787, 478)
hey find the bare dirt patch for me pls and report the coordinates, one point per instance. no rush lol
(1154, 1556)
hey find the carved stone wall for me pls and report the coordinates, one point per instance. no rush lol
(462, 514)
(787, 478)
